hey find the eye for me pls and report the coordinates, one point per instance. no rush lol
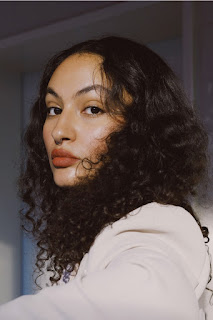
(93, 110)
(53, 111)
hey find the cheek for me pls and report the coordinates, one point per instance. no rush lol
(95, 141)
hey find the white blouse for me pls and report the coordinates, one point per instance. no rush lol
(151, 265)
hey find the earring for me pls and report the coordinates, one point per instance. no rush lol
(58, 143)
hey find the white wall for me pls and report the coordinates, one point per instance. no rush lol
(10, 234)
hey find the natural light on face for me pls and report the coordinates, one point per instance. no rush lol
(77, 124)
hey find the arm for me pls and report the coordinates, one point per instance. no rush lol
(144, 282)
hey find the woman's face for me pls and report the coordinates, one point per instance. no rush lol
(77, 124)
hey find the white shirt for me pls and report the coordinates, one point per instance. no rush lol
(151, 265)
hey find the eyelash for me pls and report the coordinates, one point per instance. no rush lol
(100, 111)
(53, 108)
(59, 110)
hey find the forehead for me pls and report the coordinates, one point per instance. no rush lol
(78, 68)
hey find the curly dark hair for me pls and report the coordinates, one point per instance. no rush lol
(160, 155)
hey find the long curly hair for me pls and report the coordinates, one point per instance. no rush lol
(160, 155)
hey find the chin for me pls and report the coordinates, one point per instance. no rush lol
(67, 177)
(63, 179)
(62, 183)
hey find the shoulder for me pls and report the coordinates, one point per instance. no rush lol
(169, 230)
(154, 256)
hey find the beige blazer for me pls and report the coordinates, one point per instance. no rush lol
(151, 265)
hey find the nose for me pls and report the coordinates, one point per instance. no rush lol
(64, 128)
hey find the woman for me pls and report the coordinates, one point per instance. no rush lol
(115, 155)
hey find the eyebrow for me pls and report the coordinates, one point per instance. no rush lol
(80, 92)
(90, 88)
(52, 92)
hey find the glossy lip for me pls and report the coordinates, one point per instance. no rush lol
(62, 158)
(62, 154)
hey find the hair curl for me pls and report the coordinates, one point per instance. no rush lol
(159, 155)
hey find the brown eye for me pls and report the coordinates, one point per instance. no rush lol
(93, 110)
(53, 111)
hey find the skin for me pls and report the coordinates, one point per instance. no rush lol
(76, 120)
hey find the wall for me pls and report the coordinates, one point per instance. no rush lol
(203, 47)
(30, 85)
(10, 234)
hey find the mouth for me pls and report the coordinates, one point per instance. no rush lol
(62, 158)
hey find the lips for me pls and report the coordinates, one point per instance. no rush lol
(62, 158)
